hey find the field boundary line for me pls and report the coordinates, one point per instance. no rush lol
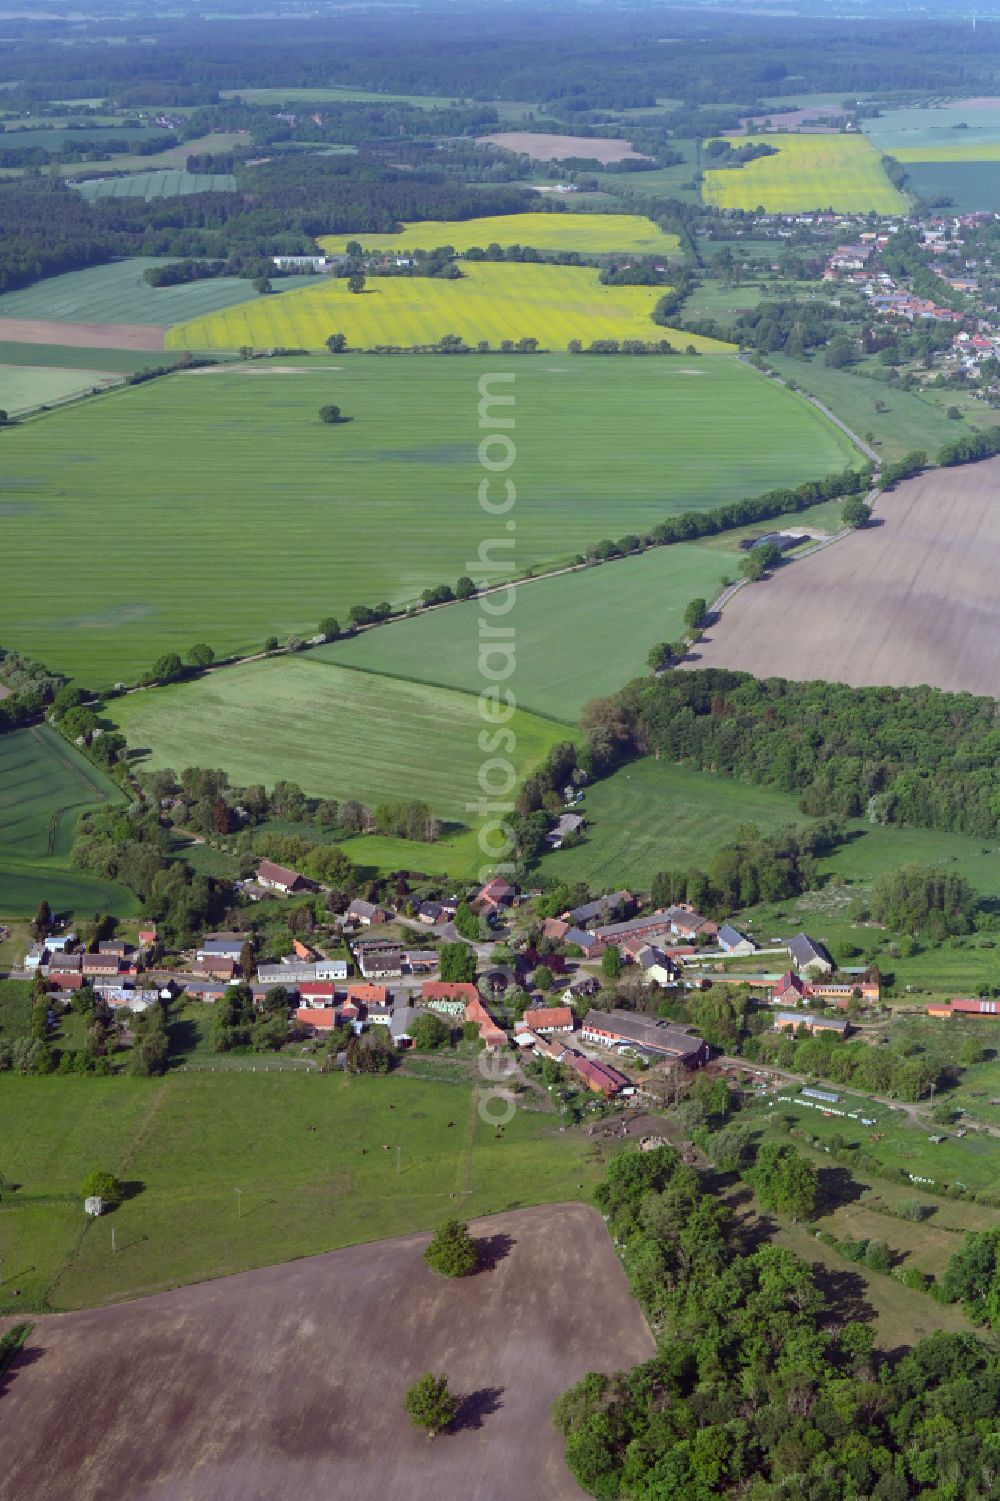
(399, 677)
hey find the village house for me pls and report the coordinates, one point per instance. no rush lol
(657, 966)
(421, 961)
(610, 908)
(315, 1019)
(400, 1025)
(600, 1077)
(278, 878)
(808, 956)
(222, 946)
(215, 965)
(378, 960)
(549, 1019)
(490, 1034)
(101, 964)
(792, 1020)
(116, 946)
(294, 972)
(590, 946)
(653, 925)
(58, 943)
(975, 1006)
(789, 991)
(366, 914)
(450, 997)
(430, 913)
(496, 894)
(733, 942)
(66, 979)
(566, 823)
(647, 1034)
(147, 936)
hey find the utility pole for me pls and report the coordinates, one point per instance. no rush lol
(398, 1150)
(239, 1202)
(114, 1248)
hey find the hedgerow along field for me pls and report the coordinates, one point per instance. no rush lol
(590, 234)
(492, 301)
(607, 619)
(264, 519)
(809, 172)
(336, 732)
(306, 1149)
(45, 785)
(118, 293)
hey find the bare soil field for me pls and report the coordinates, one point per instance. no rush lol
(82, 335)
(286, 1384)
(912, 598)
(554, 148)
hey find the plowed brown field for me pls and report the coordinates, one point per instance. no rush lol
(287, 1384)
(912, 598)
(82, 335)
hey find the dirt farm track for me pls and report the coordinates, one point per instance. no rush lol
(286, 1384)
(912, 598)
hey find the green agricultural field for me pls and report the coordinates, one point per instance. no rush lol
(69, 357)
(175, 157)
(658, 182)
(972, 186)
(337, 733)
(908, 132)
(152, 185)
(45, 785)
(265, 519)
(607, 620)
(491, 302)
(590, 234)
(651, 816)
(912, 419)
(118, 293)
(808, 172)
(54, 138)
(305, 1150)
(335, 95)
(25, 387)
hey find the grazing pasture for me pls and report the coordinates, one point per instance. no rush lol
(809, 172)
(492, 301)
(25, 387)
(305, 1148)
(118, 293)
(909, 600)
(265, 519)
(590, 234)
(337, 733)
(45, 785)
(273, 1404)
(152, 185)
(608, 618)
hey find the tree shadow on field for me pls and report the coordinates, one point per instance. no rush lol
(836, 1187)
(473, 1408)
(23, 1358)
(492, 1250)
(844, 1293)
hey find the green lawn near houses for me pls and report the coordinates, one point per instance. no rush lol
(306, 1152)
(264, 519)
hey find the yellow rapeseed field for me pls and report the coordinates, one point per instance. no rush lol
(841, 172)
(492, 301)
(590, 234)
(972, 151)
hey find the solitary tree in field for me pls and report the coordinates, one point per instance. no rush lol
(201, 655)
(4, 418)
(43, 919)
(430, 1404)
(356, 282)
(101, 1185)
(262, 284)
(337, 343)
(330, 414)
(452, 1251)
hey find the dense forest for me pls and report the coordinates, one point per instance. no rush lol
(762, 1384)
(46, 227)
(896, 755)
(576, 61)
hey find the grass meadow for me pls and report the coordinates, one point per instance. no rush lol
(492, 301)
(265, 519)
(651, 816)
(305, 1150)
(336, 732)
(912, 419)
(151, 185)
(590, 234)
(117, 293)
(45, 785)
(809, 172)
(579, 635)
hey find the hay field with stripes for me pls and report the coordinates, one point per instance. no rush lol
(808, 172)
(491, 302)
